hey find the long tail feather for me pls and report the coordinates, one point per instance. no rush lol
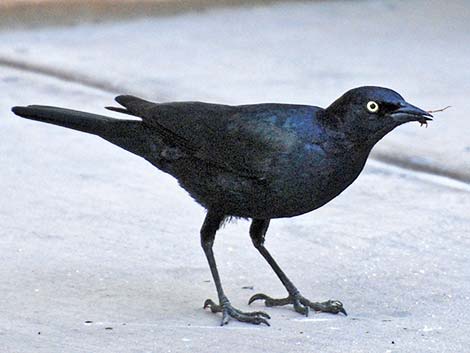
(72, 119)
(128, 134)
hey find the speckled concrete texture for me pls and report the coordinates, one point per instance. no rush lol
(100, 251)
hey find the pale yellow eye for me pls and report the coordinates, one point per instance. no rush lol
(373, 107)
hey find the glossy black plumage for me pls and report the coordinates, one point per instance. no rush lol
(259, 161)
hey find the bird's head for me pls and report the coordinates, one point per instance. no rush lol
(366, 114)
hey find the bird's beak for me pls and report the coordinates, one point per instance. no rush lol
(408, 112)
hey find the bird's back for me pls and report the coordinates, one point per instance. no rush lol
(261, 160)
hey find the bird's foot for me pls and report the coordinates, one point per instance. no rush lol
(301, 304)
(228, 312)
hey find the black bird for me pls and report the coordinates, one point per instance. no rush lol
(258, 161)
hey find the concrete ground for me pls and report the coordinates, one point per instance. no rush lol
(100, 251)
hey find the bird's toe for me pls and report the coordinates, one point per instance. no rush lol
(301, 304)
(229, 312)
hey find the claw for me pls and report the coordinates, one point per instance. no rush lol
(228, 312)
(225, 318)
(268, 301)
(301, 304)
(259, 296)
(215, 308)
(260, 321)
(336, 307)
(300, 307)
(257, 313)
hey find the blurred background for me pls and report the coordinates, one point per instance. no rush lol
(250, 51)
(91, 233)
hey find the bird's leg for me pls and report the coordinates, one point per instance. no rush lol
(208, 230)
(301, 305)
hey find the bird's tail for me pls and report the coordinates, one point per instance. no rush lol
(128, 134)
(72, 119)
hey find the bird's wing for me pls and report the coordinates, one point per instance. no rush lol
(244, 140)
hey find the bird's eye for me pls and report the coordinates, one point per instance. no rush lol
(373, 107)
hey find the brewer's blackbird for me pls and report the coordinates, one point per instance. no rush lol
(258, 161)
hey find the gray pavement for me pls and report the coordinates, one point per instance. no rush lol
(295, 52)
(92, 233)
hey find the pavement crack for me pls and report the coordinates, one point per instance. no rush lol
(61, 75)
(436, 179)
(431, 169)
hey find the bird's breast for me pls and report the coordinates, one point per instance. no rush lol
(307, 184)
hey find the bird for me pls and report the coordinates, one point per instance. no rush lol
(257, 162)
